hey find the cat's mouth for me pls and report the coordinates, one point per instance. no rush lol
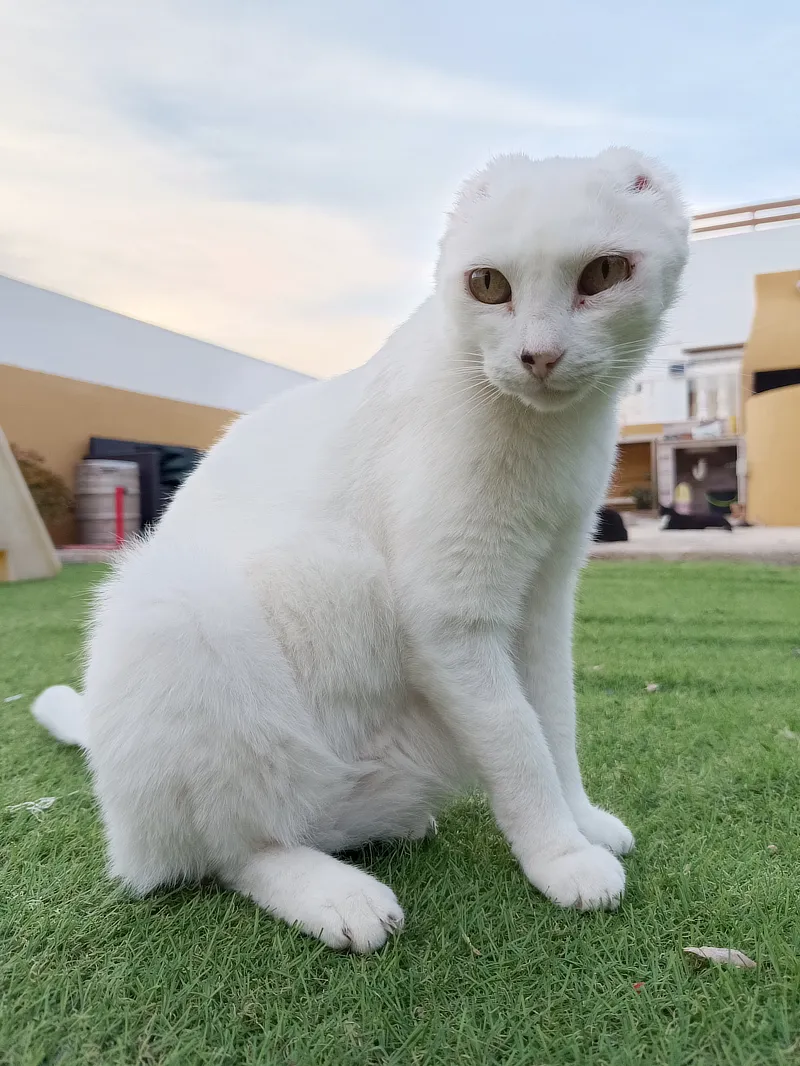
(555, 395)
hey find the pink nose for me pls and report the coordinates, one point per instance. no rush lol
(541, 363)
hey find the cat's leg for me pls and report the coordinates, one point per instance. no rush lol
(547, 670)
(339, 904)
(468, 673)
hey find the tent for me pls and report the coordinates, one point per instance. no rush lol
(26, 550)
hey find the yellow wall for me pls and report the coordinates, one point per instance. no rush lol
(772, 419)
(633, 469)
(56, 417)
(646, 429)
(774, 342)
(775, 333)
(773, 457)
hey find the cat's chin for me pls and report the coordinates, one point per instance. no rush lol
(552, 400)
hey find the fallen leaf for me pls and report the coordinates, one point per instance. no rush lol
(638, 986)
(597, 667)
(725, 956)
(652, 687)
(11, 699)
(772, 849)
(34, 806)
(789, 734)
(470, 945)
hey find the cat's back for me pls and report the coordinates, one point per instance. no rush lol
(273, 464)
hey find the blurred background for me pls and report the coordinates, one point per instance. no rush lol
(268, 183)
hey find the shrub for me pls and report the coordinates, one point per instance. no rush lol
(50, 492)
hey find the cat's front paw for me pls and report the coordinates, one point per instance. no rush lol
(587, 879)
(600, 827)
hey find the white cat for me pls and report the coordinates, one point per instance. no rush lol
(362, 599)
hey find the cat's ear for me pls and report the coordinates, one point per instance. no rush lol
(498, 173)
(638, 173)
(472, 191)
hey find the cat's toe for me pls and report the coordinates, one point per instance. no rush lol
(601, 827)
(588, 879)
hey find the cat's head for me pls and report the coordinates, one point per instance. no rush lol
(554, 275)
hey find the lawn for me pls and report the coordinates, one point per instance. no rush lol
(487, 972)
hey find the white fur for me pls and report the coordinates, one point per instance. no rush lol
(363, 597)
(63, 712)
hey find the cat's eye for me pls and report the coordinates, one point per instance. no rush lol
(489, 286)
(603, 273)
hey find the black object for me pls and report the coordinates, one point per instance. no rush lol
(693, 521)
(610, 526)
(720, 502)
(767, 380)
(162, 469)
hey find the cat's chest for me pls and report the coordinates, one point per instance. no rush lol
(541, 493)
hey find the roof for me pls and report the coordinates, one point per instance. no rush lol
(56, 334)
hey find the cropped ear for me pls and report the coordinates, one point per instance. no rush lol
(503, 169)
(639, 173)
(472, 191)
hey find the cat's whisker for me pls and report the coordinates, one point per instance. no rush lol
(475, 404)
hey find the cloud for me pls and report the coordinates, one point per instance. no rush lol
(94, 208)
(224, 174)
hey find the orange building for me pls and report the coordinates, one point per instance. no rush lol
(71, 373)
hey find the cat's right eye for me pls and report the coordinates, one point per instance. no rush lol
(603, 273)
(489, 286)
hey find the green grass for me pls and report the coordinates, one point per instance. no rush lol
(487, 971)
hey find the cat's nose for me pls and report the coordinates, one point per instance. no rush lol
(541, 363)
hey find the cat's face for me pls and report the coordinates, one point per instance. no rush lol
(554, 276)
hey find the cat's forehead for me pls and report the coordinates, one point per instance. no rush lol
(563, 208)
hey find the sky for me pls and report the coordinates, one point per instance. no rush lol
(273, 176)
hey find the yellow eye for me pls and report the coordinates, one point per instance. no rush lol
(603, 273)
(489, 286)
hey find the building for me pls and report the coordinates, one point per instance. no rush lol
(70, 372)
(713, 419)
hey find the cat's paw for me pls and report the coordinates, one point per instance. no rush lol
(590, 878)
(353, 912)
(600, 827)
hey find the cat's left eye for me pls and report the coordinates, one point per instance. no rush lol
(603, 273)
(489, 286)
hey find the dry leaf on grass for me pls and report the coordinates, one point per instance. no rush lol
(789, 734)
(725, 956)
(653, 687)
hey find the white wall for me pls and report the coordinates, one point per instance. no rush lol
(715, 309)
(719, 284)
(41, 330)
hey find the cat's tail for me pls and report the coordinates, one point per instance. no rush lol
(61, 710)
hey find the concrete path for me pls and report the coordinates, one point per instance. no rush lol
(646, 541)
(754, 544)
